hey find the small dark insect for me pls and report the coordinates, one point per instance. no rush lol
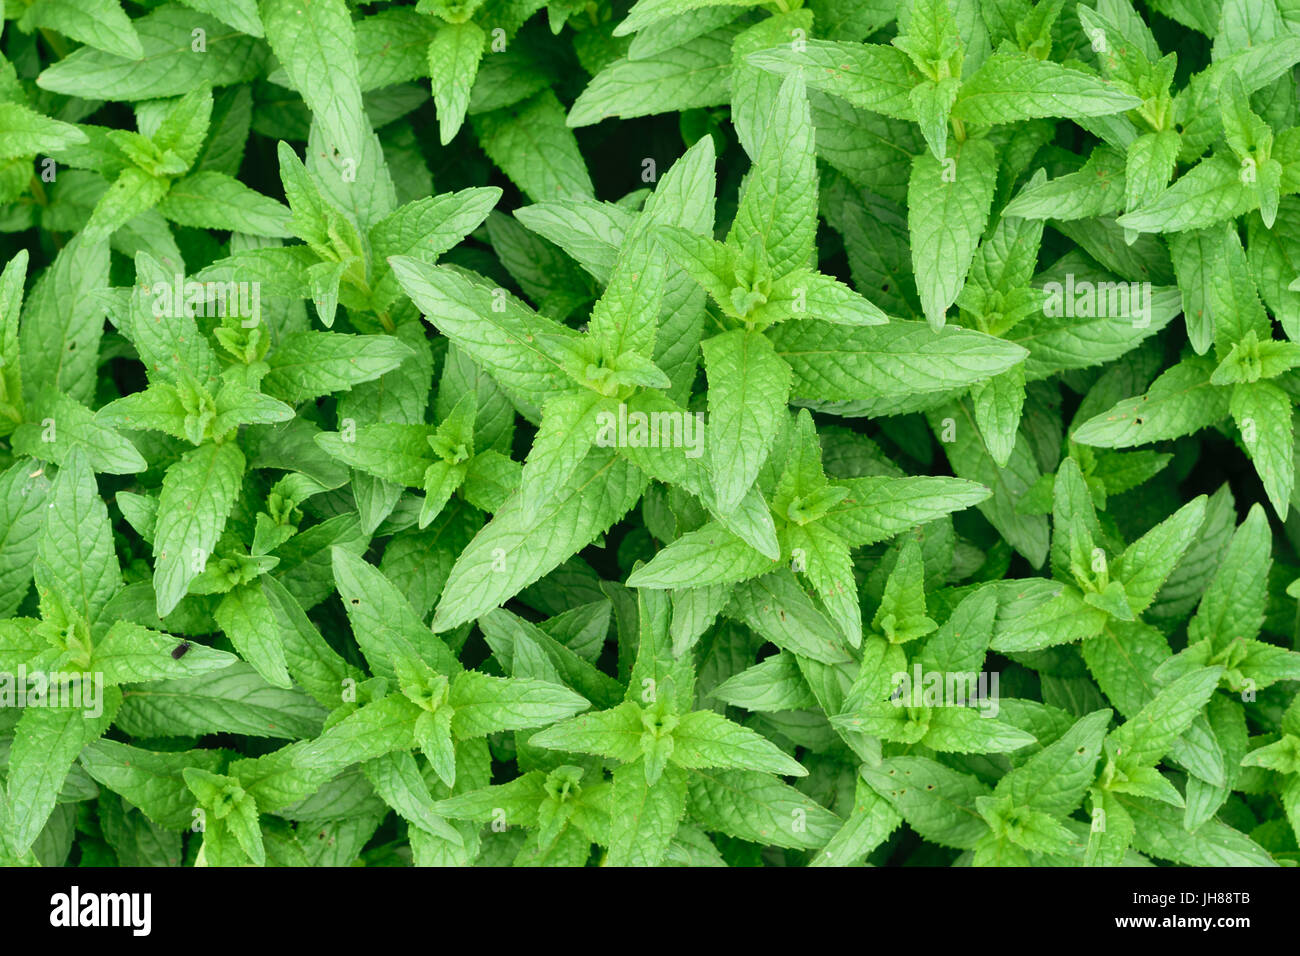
(181, 649)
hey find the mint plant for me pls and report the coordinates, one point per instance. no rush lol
(649, 433)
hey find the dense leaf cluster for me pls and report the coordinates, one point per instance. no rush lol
(681, 432)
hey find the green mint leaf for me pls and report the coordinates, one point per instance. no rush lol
(197, 495)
